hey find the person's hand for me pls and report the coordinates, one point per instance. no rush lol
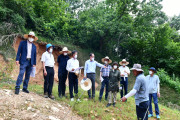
(122, 74)
(85, 77)
(73, 69)
(158, 94)
(45, 73)
(34, 65)
(17, 62)
(125, 71)
(105, 67)
(123, 99)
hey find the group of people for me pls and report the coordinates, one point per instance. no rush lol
(114, 78)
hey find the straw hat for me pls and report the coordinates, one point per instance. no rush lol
(106, 58)
(65, 49)
(86, 84)
(124, 60)
(32, 34)
(137, 67)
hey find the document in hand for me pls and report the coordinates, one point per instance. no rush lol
(77, 69)
(102, 79)
(33, 72)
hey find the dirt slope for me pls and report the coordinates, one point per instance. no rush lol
(27, 107)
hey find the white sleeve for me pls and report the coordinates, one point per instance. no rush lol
(68, 66)
(158, 89)
(43, 58)
(131, 93)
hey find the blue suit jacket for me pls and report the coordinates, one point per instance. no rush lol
(22, 53)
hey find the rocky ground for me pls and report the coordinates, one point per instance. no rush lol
(32, 107)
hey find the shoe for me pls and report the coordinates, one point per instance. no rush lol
(17, 91)
(78, 100)
(106, 99)
(150, 115)
(72, 99)
(157, 116)
(89, 98)
(46, 95)
(60, 96)
(109, 104)
(51, 97)
(114, 104)
(25, 90)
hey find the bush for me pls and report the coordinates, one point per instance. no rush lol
(166, 79)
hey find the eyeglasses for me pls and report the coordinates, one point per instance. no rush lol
(31, 36)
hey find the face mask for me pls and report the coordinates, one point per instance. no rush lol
(75, 56)
(150, 72)
(51, 50)
(65, 54)
(92, 59)
(30, 39)
(115, 67)
(124, 64)
(105, 62)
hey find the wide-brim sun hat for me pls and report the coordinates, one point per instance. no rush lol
(124, 60)
(65, 49)
(106, 58)
(137, 67)
(32, 34)
(86, 84)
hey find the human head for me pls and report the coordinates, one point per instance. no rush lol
(115, 65)
(152, 70)
(137, 69)
(92, 56)
(74, 54)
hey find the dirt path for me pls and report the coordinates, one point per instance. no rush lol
(26, 107)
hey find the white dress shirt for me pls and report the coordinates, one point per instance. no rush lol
(29, 48)
(122, 69)
(72, 64)
(48, 59)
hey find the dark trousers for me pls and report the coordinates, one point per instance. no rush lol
(92, 77)
(124, 84)
(49, 80)
(26, 67)
(104, 83)
(73, 84)
(155, 99)
(142, 110)
(62, 83)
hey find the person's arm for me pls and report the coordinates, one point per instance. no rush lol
(44, 68)
(58, 60)
(34, 57)
(131, 93)
(127, 71)
(100, 75)
(18, 53)
(158, 88)
(99, 64)
(68, 66)
(85, 69)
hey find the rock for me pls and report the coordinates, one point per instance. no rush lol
(53, 118)
(54, 109)
(31, 109)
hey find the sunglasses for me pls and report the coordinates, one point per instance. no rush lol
(31, 36)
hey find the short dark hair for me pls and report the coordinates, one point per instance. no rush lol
(73, 52)
(91, 54)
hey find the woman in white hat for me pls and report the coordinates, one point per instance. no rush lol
(124, 70)
(62, 72)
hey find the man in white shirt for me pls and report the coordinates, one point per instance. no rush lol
(48, 70)
(72, 65)
(124, 70)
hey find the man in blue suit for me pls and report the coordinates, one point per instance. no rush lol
(26, 57)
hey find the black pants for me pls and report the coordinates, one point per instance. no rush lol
(124, 84)
(62, 83)
(92, 77)
(73, 84)
(49, 80)
(142, 111)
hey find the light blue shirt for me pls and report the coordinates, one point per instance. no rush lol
(141, 85)
(153, 83)
(90, 66)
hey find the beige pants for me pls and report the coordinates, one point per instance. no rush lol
(112, 96)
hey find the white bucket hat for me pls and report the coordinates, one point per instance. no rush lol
(32, 34)
(137, 67)
(86, 84)
(65, 49)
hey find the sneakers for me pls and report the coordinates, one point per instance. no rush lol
(72, 99)
(17, 91)
(158, 117)
(46, 95)
(51, 97)
(150, 115)
(25, 90)
(109, 104)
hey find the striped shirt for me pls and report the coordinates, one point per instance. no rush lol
(106, 71)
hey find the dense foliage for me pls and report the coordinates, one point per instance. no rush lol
(137, 31)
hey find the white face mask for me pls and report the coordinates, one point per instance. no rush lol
(65, 54)
(75, 56)
(92, 59)
(50, 50)
(105, 62)
(115, 66)
(150, 72)
(30, 39)
(124, 64)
